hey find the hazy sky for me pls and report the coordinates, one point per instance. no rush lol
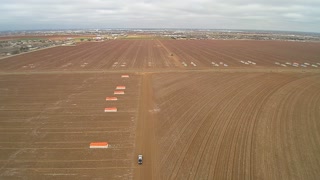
(294, 15)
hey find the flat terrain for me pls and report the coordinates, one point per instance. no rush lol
(168, 54)
(237, 125)
(190, 118)
(48, 121)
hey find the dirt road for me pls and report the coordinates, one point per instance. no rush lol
(145, 133)
(172, 56)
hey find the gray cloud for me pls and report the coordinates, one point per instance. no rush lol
(297, 15)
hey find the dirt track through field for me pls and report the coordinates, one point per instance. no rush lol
(145, 137)
(169, 53)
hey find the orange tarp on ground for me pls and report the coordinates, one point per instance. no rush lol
(121, 87)
(118, 92)
(99, 145)
(111, 109)
(111, 98)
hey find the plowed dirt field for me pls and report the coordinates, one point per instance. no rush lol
(189, 118)
(168, 54)
(237, 125)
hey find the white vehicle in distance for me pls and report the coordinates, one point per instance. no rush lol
(139, 159)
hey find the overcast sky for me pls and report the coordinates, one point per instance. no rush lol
(292, 15)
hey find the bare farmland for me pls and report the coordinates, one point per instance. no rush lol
(190, 118)
(237, 125)
(48, 121)
(168, 54)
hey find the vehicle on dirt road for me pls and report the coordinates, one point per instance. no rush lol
(139, 159)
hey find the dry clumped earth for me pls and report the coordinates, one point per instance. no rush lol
(241, 121)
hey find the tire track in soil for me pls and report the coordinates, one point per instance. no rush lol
(103, 59)
(174, 58)
(233, 54)
(283, 138)
(250, 108)
(284, 129)
(205, 144)
(178, 109)
(179, 100)
(230, 94)
(247, 137)
(183, 56)
(205, 96)
(151, 59)
(122, 58)
(162, 53)
(136, 55)
(247, 143)
(214, 166)
(68, 56)
(176, 125)
(263, 98)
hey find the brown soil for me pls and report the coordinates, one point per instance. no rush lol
(156, 55)
(241, 122)
(237, 125)
(48, 121)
